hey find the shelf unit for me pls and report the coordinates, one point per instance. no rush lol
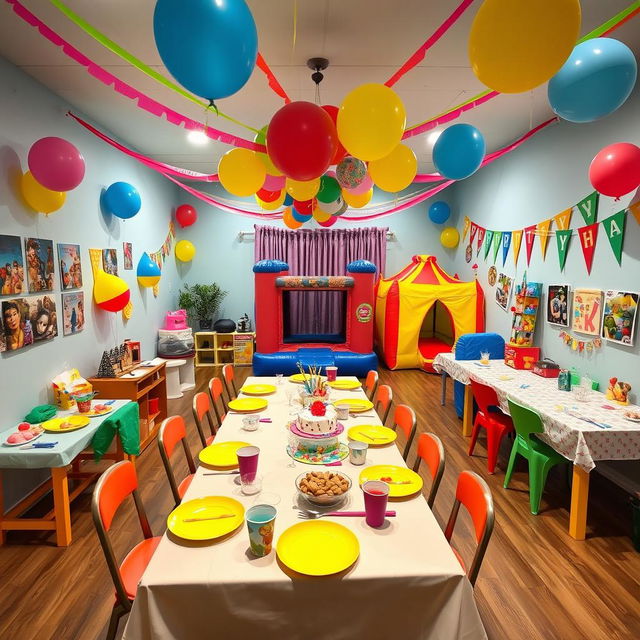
(214, 349)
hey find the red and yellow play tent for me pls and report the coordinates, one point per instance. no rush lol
(422, 311)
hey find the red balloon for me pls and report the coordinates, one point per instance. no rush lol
(615, 171)
(186, 215)
(341, 152)
(268, 196)
(304, 207)
(328, 223)
(301, 140)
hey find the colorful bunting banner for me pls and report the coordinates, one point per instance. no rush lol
(588, 238)
(163, 253)
(563, 219)
(563, 238)
(474, 230)
(481, 232)
(465, 229)
(579, 343)
(614, 228)
(529, 239)
(497, 241)
(488, 239)
(588, 207)
(516, 240)
(543, 232)
(506, 243)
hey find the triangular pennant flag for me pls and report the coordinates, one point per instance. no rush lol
(481, 232)
(614, 228)
(474, 230)
(588, 237)
(465, 229)
(487, 242)
(529, 239)
(506, 243)
(588, 207)
(563, 219)
(497, 240)
(516, 240)
(543, 231)
(563, 237)
(634, 206)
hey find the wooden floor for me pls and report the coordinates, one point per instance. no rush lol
(535, 583)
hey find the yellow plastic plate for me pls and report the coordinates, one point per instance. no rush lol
(62, 425)
(344, 384)
(374, 435)
(318, 547)
(299, 378)
(356, 405)
(208, 507)
(222, 454)
(258, 389)
(248, 405)
(410, 481)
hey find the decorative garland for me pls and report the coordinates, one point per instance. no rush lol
(579, 344)
(163, 253)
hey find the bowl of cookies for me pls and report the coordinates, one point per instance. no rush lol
(323, 488)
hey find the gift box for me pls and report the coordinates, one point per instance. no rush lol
(521, 357)
(546, 368)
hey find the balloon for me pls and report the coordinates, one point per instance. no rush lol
(341, 152)
(122, 200)
(328, 223)
(288, 200)
(186, 215)
(304, 208)
(351, 172)
(302, 190)
(56, 164)
(458, 151)
(271, 206)
(210, 48)
(363, 187)
(268, 196)
(450, 237)
(261, 138)
(396, 171)
(185, 251)
(329, 189)
(516, 46)
(274, 183)
(357, 201)
(40, 198)
(241, 172)
(595, 81)
(301, 140)
(439, 212)
(110, 292)
(331, 207)
(320, 216)
(148, 272)
(288, 219)
(615, 171)
(371, 121)
(342, 209)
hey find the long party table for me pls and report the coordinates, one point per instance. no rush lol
(406, 582)
(579, 441)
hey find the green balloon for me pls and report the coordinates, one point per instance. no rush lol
(261, 136)
(329, 189)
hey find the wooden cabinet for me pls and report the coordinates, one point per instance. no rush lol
(216, 349)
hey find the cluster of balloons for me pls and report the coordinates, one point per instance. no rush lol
(439, 213)
(122, 200)
(55, 167)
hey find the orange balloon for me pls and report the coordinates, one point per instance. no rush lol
(289, 220)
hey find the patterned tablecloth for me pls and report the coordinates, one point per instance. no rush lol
(579, 441)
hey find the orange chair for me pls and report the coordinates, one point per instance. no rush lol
(202, 407)
(405, 418)
(216, 393)
(430, 450)
(172, 431)
(382, 401)
(229, 376)
(371, 383)
(114, 485)
(472, 492)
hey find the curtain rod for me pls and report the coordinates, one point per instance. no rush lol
(244, 234)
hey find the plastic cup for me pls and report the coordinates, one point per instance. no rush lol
(248, 462)
(376, 494)
(250, 484)
(484, 357)
(332, 373)
(251, 423)
(261, 523)
(357, 452)
(278, 379)
(342, 412)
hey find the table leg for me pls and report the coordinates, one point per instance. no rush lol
(61, 505)
(443, 388)
(579, 499)
(467, 412)
(2, 531)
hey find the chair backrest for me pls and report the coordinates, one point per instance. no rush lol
(202, 408)
(485, 396)
(229, 376)
(113, 487)
(172, 431)
(216, 393)
(405, 418)
(382, 401)
(525, 421)
(430, 450)
(473, 492)
(371, 383)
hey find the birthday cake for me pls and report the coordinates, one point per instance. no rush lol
(316, 423)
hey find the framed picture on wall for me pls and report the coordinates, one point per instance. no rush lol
(70, 266)
(11, 266)
(110, 261)
(72, 313)
(16, 324)
(619, 316)
(503, 291)
(586, 316)
(42, 317)
(40, 264)
(558, 310)
(127, 255)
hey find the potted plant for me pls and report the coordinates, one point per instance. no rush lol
(201, 301)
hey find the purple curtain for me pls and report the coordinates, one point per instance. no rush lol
(319, 252)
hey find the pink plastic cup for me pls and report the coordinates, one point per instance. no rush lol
(376, 494)
(248, 462)
(332, 373)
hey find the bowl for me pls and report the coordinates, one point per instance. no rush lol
(324, 500)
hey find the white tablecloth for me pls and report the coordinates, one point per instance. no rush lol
(406, 584)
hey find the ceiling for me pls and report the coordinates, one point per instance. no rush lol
(365, 41)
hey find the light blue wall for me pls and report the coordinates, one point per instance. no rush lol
(544, 176)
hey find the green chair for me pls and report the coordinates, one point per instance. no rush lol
(541, 456)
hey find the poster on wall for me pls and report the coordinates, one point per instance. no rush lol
(40, 264)
(72, 313)
(11, 266)
(127, 252)
(43, 317)
(110, 261)
(16, 325)
(503, 291)
(558, 304)
(619, 317)
(586, 316)
(70, 266)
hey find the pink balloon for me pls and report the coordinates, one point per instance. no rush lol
(56, 164)
(615, 170)
(331, 173)
(363, 187)
(328, 223)
(274, 183)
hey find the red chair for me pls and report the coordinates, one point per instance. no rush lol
(495, 422)
(405, 418)
(472, 492)
(216, 393)
(229, 376)
(382, 401)
(114, 485)
(430, 450)
(172, 431)
(371, 383)
(202, 408)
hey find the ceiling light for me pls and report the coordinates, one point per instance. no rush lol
(197, 137)
(433, 136)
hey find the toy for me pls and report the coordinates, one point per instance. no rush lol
(618, 391)
(244, 324)
(175, 320)
(525, 312)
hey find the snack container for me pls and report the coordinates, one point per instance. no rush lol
(546, 369)
(521, 357)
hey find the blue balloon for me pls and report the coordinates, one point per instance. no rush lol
(208, 46)
(300, 217)
(597, 78)
(439, 212)
(288, 200)
(122, 200)
(459, 151)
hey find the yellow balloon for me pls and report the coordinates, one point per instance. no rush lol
(359, 200)
(516, 46)
(241, 172)
(302, 190)
(261, 138)
(185, 251)
(40, 198)
(289, 220)
(371, 121)
(396, 171)
(449, 237)
(271, 206)
(320, 216)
